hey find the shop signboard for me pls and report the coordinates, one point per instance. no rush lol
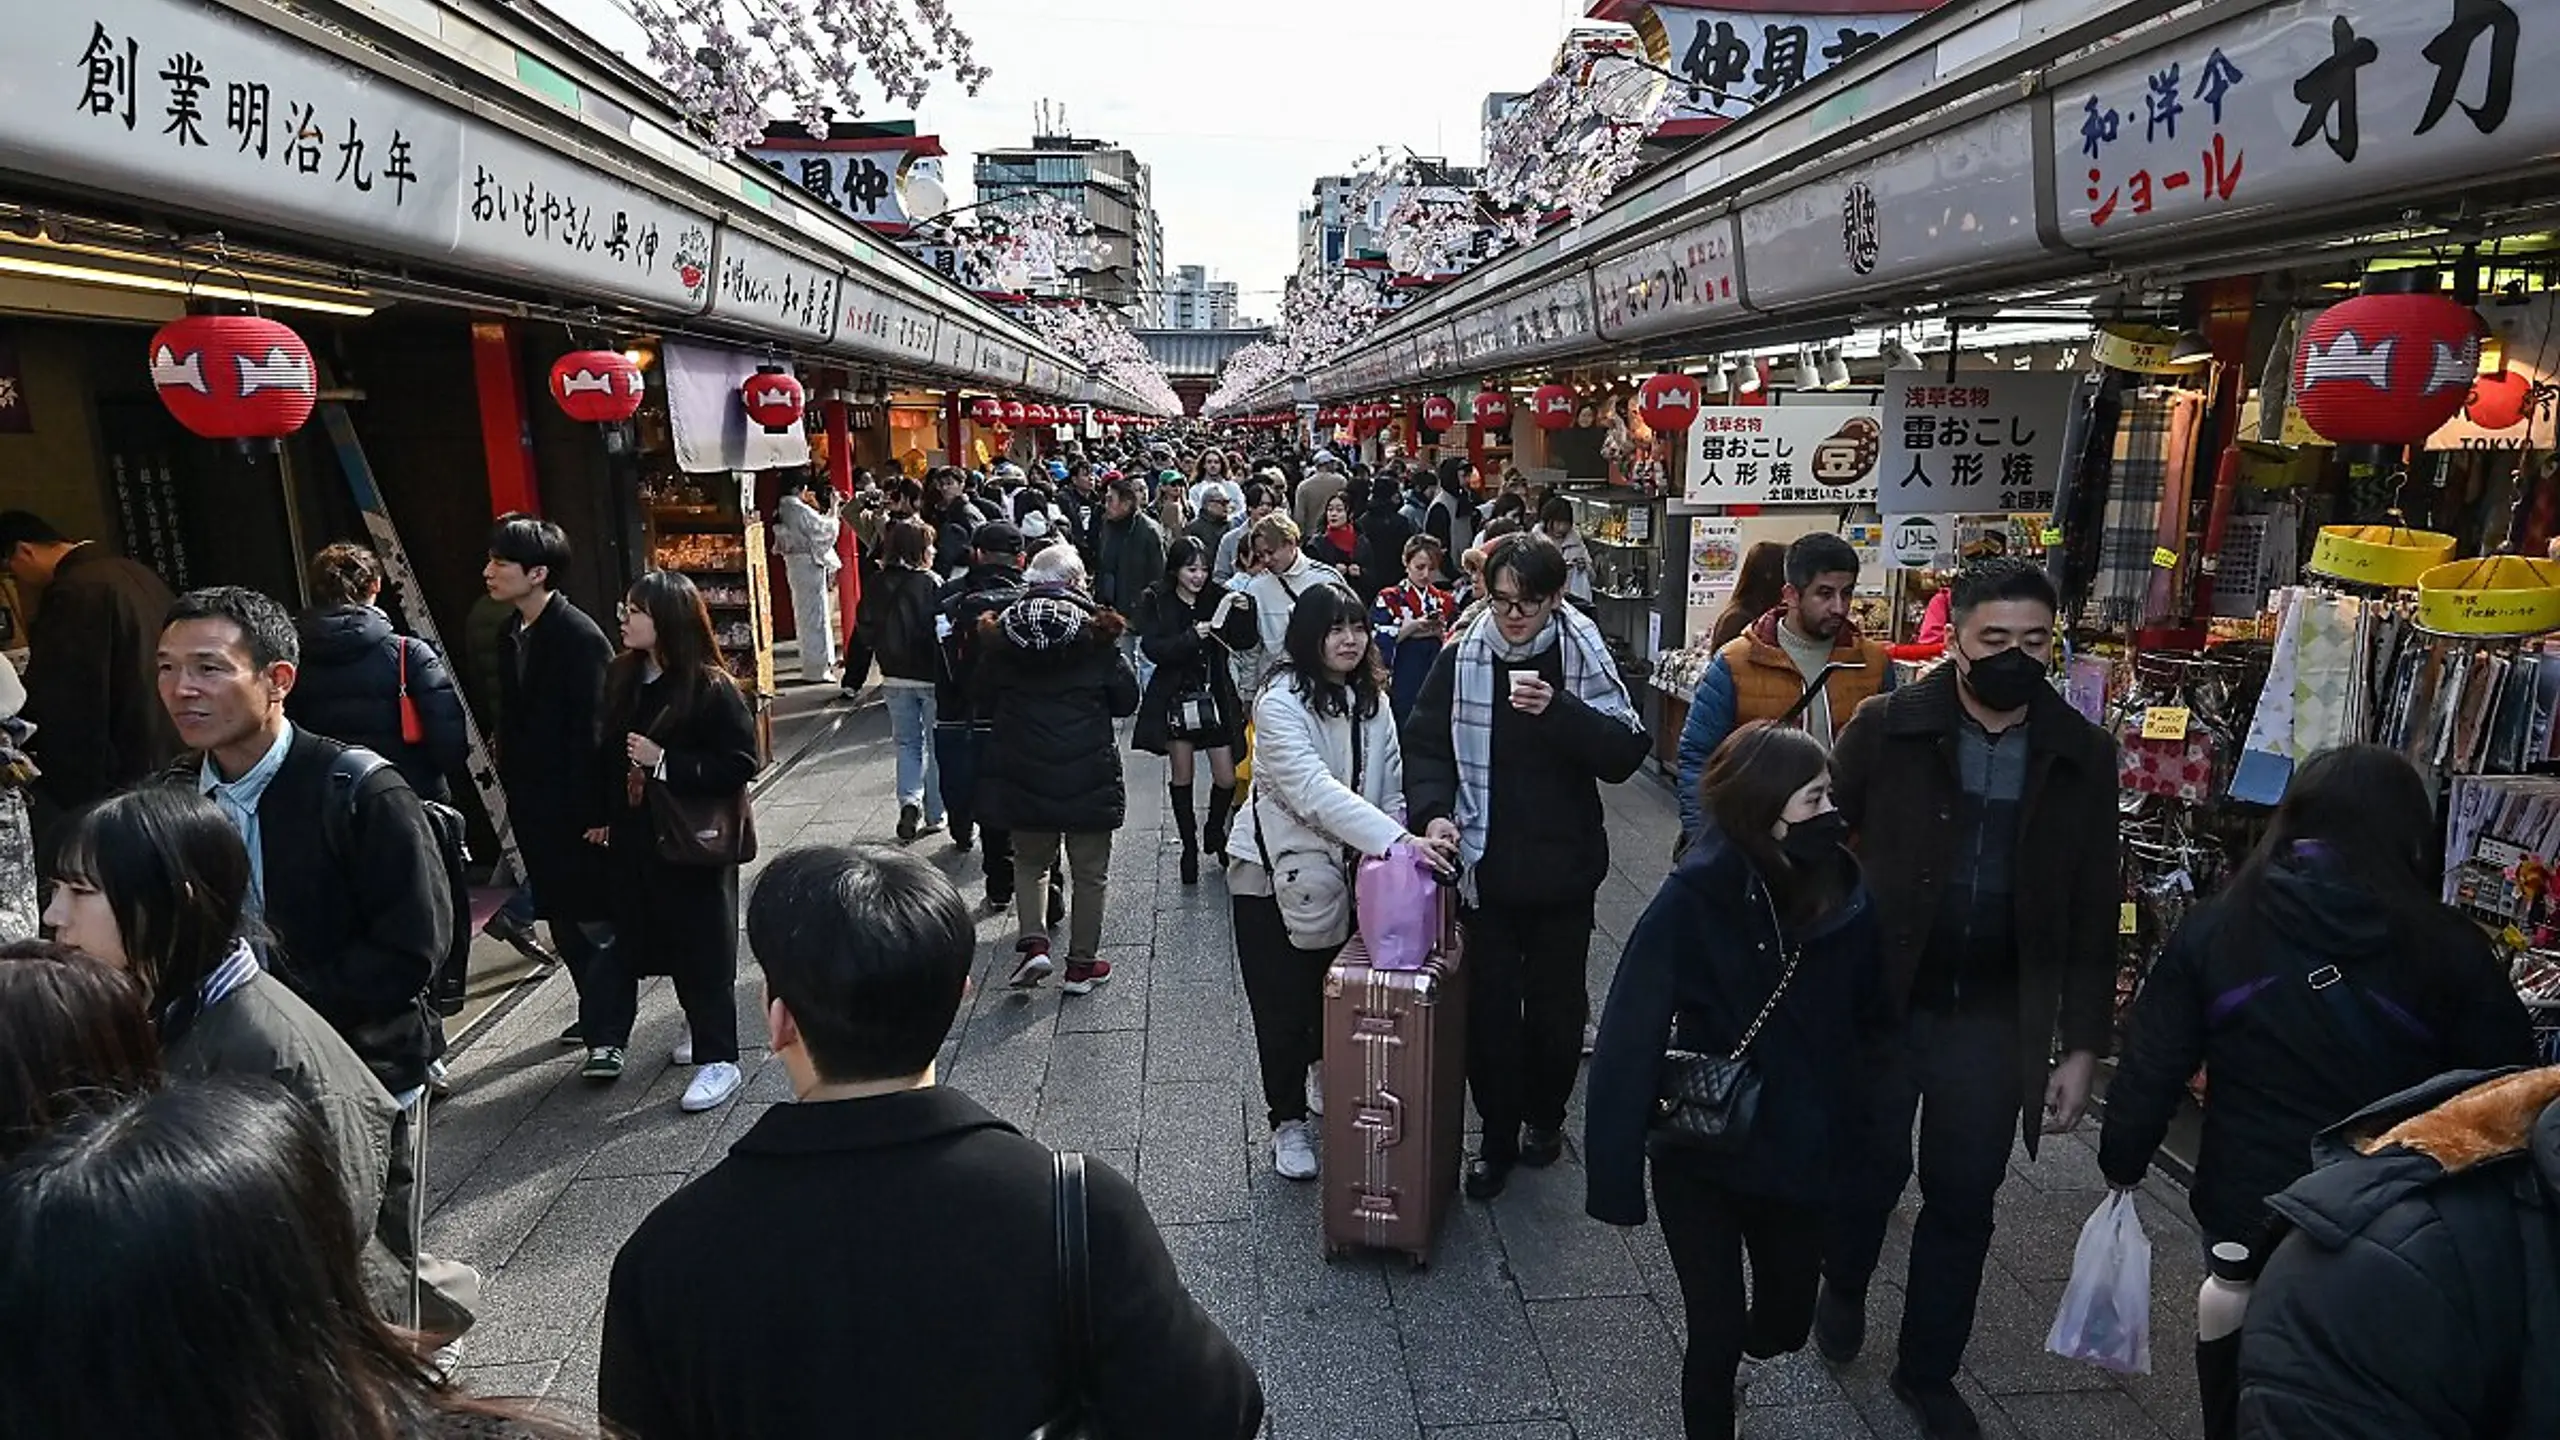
(1784, 455)
(1555, 316)
(956, 348)
(1000, 362)
(2304, 105)
(1987, 440)
(1437, 349)
(2512, 404)
(1740, 57)
(1044, 376)
(192, 104)
(1916, 542)
(878, 323)
(772, 289)
(1959, 201)
(862, 180)
(1684, 280)
(1715, 558)
(528, 212)
(1480, 335)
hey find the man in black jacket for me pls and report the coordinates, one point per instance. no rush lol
(1985, 808)
(551, 684)
(962, 720)
(881, 1257)
(2417, 1295)
(90, 674)
(1532, 682)
(357, 934)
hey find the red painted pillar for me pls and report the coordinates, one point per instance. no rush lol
(839, 445)
(505, 443)
(951, 432)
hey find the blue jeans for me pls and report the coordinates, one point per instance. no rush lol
(911, 724)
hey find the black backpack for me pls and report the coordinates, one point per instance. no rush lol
(348, 773)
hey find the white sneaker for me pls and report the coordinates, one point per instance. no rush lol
(1315, 1089)
(1293, 1151)
(683, 1053)
(712, 1086)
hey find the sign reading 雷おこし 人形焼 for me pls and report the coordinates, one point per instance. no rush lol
(1783, 455)
(1988, 440)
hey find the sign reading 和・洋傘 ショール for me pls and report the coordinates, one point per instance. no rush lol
(1990, 440)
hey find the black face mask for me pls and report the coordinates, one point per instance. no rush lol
(2005, 681)
(1814, 841)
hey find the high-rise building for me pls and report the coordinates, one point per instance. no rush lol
(1193, 301)
(1114, 190)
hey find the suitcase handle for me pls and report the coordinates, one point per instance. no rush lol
(1380, 1116)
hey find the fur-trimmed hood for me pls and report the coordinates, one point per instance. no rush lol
(2454, 1124)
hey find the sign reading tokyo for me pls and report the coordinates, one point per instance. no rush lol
(1985, 441)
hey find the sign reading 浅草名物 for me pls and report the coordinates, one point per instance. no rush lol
(1987, 440)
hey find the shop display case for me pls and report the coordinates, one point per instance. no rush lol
(700, 526)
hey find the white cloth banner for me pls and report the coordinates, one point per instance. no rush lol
(704, 408)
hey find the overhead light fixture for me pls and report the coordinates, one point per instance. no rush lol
(1748, 379)
(1835, 369)
(1719, 379)
(174, 282)
(2190, 349)
(1898, 356)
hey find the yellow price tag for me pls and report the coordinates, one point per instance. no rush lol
(2051, 536)
(2165, 722)
(2128, 920)
(2165, 558)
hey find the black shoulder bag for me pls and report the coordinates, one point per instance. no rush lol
(1075, 1294)
(1706, 1103)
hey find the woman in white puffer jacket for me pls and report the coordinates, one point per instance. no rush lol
(1328, 786)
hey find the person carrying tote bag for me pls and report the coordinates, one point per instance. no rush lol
(680, 749)
(1732, 1053)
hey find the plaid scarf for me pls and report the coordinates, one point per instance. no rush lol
(2155, 456)
(1589, 673)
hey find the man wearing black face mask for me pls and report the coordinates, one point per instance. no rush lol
(1986, 813)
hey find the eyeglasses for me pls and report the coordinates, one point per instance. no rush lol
(1518, 607)
(622, 609)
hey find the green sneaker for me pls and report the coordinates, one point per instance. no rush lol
(604, 1062)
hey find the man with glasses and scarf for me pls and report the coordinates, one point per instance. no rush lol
(1530, 683)
(1985, 808)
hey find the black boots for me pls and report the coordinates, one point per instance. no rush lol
(1189, 825)
(1222, 803)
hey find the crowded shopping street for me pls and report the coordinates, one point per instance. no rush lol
(1511, 720)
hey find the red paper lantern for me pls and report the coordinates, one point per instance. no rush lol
(1553, 406)
(596, 385)
(773, 399)
(986, 410)
(2386, 369)
(2500, 401)
(1493, 410)
(234, 377)
(1015, 412)
(1439, 412)
(1668, 403)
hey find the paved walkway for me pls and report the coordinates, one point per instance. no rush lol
(1532, 1323)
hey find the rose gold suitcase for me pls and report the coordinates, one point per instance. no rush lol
(1395, 1090)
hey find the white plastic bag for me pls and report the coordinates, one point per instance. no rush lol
(2105, 1317)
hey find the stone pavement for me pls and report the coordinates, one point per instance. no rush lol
(1533, 1322)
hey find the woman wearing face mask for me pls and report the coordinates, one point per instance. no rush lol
(1763, 940)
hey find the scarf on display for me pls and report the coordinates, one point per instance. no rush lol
(1590, 673)
(2146, 497)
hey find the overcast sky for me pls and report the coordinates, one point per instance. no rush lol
(1238, 105)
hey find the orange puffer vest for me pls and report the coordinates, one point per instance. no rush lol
(1766, 682)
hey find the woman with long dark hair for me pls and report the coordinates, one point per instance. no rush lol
(1190, 707)
(1757, 589)
(73, 1039)
(672, 717)
(1763, 943)
(155, 883)
(1328, 779)
(2326, 976)
(183, 1267)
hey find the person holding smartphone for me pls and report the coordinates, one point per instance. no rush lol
(1187, 629)
(1412, 618)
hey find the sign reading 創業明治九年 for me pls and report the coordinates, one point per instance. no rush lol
(2302, 105)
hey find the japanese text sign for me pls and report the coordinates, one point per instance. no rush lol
(861, 185)
(2302, 103)
(1675, 282)
(774, 289)
(532, 213)
(1987, 440)
(1742, 59)
(1783, 455)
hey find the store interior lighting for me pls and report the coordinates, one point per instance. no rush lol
(1719, 379)
(1898, 356)
(2191, 348)
(1747, 381)
(1834, 370)
(84, 265)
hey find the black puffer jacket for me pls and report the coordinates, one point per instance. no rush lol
(348, 688)
(896, 619)
(2233, 992)
(1699, 966)
(1054, 679)
(2417, 1295)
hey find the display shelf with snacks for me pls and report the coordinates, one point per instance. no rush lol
(1620, 528)
(699, 525)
